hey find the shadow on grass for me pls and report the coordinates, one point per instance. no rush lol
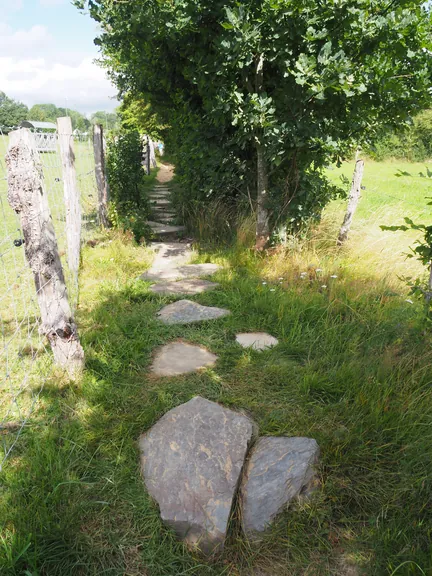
(352, 374)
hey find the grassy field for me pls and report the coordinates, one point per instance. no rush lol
(353, 370)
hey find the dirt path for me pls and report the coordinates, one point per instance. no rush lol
(165, 174)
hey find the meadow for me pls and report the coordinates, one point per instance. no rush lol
(352, 370)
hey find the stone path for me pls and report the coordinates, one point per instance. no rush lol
(181, 358)
(187, 312)
(256, 340)
(192, 286)
(162, 220)
(195, 458)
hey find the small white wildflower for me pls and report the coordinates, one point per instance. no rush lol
(333, 276)
(409, 301)
(324, 286)
(264, 283)
(318, 270)
(303, 273)
(272, 289)
(281, 278)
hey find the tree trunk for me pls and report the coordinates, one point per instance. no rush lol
(27, 197)
(262, 225)
(101, 179)
(353, 200)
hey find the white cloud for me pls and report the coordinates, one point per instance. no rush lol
(33, 71)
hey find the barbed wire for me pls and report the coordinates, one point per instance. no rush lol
(25, 357)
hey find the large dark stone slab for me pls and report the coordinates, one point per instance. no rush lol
(277, 471)
(191, 461)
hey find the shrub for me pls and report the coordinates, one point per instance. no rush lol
(129, 204)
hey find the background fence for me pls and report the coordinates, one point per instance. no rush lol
(25, 359)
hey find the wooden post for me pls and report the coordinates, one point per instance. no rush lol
(101, 178)
(353, 200)
(71, 193)
(27, 196)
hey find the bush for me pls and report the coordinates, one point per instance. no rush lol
(129, 203)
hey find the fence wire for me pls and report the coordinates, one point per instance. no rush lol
(25, 357)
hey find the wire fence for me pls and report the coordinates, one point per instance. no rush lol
(25, 358)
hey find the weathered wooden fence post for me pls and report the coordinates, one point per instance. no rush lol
(27, 196)
(101, 179)
(353, 200)
(71, 193)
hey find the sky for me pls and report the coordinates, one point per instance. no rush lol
(47, 56)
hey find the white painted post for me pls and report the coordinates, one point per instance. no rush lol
(101, 179)
(27, 197)
(71, 193)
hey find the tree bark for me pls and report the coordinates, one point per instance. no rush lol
(27, 197)
(101, 179)
(262, 225)
(71, 193)
(353, 200)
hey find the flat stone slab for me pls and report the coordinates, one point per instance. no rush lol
(256, 340)
(165, 229)
(191, 461)
(277, 471)
(192, 286)
(186, 312)
(160, 202)
(169, 255)
(181, 358)
(180, 272)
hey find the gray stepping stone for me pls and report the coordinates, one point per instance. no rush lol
(191, 461)
(165, 229)
(180, 272)
(192, 286)
(256, 340)
(170, 254)
(278, 470)
(186, 312)
(181, 358)
(160, 202)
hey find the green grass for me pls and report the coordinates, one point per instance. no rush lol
(353, 370)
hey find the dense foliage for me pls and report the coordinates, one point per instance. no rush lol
(12, 112)
(137, 114)
(279, 88)
(129, 207)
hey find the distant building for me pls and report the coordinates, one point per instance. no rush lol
(45, 134)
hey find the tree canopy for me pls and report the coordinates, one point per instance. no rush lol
(50, 113)
(12, 112)
(262, 95)
(108, 119)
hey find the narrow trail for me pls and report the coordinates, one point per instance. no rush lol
(162, 212)
(172, 274)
